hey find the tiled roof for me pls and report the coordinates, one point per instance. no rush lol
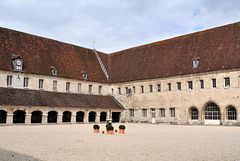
(24, 97)
(217, 49)
(40, 54)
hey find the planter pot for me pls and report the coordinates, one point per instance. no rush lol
(110, 132)
(96, 130)
(121, 131)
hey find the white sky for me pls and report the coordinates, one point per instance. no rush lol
(115, 24)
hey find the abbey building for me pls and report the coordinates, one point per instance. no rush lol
(191, 79)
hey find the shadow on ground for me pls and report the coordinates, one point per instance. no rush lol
(6, 155)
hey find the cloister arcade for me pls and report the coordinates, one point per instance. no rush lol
(52, 116)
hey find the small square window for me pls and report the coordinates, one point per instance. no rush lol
(179, 86)
(227, 82)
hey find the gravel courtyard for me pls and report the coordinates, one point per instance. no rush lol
(140, 142)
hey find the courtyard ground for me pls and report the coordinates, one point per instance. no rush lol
(142, 142)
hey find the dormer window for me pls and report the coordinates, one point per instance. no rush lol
(54, 70)
(17, 63)
(84, 75)
(196, 62)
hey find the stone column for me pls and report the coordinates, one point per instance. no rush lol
(28, 119)
(59, 118)
(73, 118)
(97, 119)
(86, 114)
(44, 118)
(9, 119)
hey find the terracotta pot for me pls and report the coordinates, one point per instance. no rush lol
(110, 132)
(121, 131)
(96, 130)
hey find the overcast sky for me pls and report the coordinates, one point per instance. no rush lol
(115, 25)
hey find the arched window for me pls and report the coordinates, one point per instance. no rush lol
(92, 117)
(231, 113)
(80, 116)
(36, 117)
(3, 116)
(66, 116)
(212, 112)
(52, 117)
(19, 116)
(103, 116)
(194, 114)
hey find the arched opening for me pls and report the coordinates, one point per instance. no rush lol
(80, 116)
(66, 116)
(3, 117)
(92, 117)
(231, 113)
(52, 117)
(19, 116)
(36, 117)
(116, 116)
(194, 113)
(103, 116)
(212, 114)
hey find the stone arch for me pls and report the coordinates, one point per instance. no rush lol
(66, 116)
(92, 116)
(193, 113)
(212, 113)
(3, 117)
(103, 116)
(19, 116)
(231, 113)
(52, 117)
(80, 116)
(36, 116)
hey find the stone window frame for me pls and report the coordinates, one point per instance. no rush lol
(40, 85)
(162, 112)
(214, 83)
(179, 86)
(201, 84)
(172, 112)
(9, 80)
(55, 85)
(159, 87)
(25, 82)
(169, 87)
(190, 85)
(68, 86)
(150, 88)
(131, 112)
(90, 88)
(99, 90)
(227, 82)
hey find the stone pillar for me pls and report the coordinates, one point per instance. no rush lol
(59, 119)
(73, 118)
(97, 119)
(86, 114)
(9, 119)
(28, 119)
(44, 118)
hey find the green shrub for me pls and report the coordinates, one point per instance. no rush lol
(96, 126)
(122, 127)
(110, 127)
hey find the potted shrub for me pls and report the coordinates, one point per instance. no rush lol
(96, 128)
(121, 129)
(110, 129)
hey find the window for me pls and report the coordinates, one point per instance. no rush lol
(119, 91)
(67, 86)
(162, 110)
(112, 91)
(150, 88)
(79, 87)
(134, 89)
(194, 114)
(54, 70)
(144, 112)
(40, 83)
(126, 88)
(214, 83)
(212, 112)
(153, 113)
(231, 113)
(131, 112)
(190, 86)
(9, 80)
(100, 90)
(179, 86)
(54, 85)
(90, 89)
(201, 84)
(159, 87)
(172, 110)
(195, 62)
(25, 82)
(142, 89)
(227, 82)
(169, 87)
